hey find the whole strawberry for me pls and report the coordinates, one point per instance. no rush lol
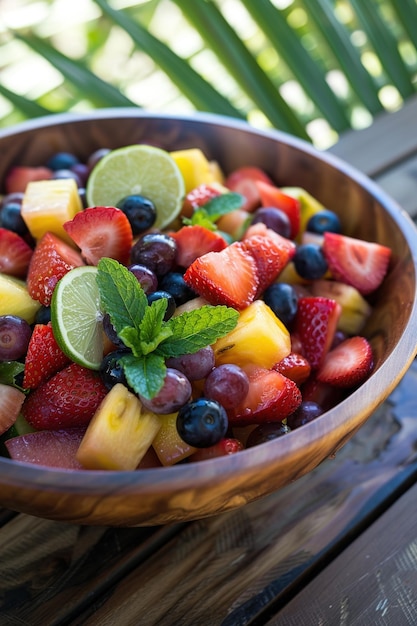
(70, 398)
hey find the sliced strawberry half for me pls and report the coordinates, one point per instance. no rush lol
(15, 254)
(68, 399)
(270, 258)
(347, 365)
(295, 367)
(101, 232)
(315, 326)
(282, 242)
(243, 180)
(198, 197)
(271, 398)
(194, 241)
(44, 357)
(51, 260)
(223, 448)
(273, 196)
(18, 177)
(359, 263)
(11, 400)
(228, 277)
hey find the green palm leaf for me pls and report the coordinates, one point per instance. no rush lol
(406, 11)
(29, 108)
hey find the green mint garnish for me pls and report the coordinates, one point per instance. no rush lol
(214, 209)
(142, 328)
(9, 370)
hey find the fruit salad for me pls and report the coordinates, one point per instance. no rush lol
(156, 310)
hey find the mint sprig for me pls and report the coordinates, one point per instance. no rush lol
(142, 328)
(9, 371)
(208, 214)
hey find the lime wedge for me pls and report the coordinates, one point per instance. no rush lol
(77, 318)
(138, 169)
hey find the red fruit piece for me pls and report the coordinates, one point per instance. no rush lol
(315, 326)
(194, 241)
(11, 400)
(228, 277)
(222, 448)
(51, 260)
(270, 258)
(15, 254)
(359, 263)
(198, 197)
(282, 242)
(295, 367)
(18, 177)
(68, 399)
(271, 398)
(243, 180)
(102, 231)
(273, 196)
(44, 357)
(55, 448)
(347, 365)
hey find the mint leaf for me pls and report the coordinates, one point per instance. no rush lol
(131, 338)
(193, 330)
(153, 329)
(214, 209)
(9, 370)
(121, 295)
(146, 374)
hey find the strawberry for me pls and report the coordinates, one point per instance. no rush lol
(347, 365)
(295, 367)
(51, 260)
(44, 357)
(269, 256)
(11, 400)
(273, 196)
(222, 448)
(198, 197)
(271, 398)
(315, 326)
(101, 232)
(15, 254)
(228, 277)
(18, 177)
(68, 399)
(243, 180)
(194, 241)
(50, 448)
(359, 263)
(283, 243)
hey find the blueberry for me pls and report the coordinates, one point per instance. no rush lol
(11, 218)
(266, 432)
(111, 372)
(157, 295)
(282, 299)
(306, 412)
(43, 315)
(140, 211)
(202, 423)
(174, 283)
(309, 261)
(62, 161)
(324, 221)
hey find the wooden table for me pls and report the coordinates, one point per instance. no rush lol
(339, 546)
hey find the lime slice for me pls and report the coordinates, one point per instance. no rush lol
(138, 169)
(77, 318)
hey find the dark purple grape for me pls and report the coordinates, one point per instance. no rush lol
(266, 432)
(15, 334)
(62, 161)
(282, 299)
(309, 261)
(194, 366)
(324, 221)
(140, 211)
(111, 371)
(155, 250)
(111, 331)
(146, 277)
(174, 283)
(306, 412)
(273, 218)
(228, 384)
(171, 306)
(95, 157)
(175, 392)
(82, 171)
(65, 174)
(202, 423)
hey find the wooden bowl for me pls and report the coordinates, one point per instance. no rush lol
(185, 492)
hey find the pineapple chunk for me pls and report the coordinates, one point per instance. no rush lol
(259, 338)
(15, 299)
(120, 433)
(195, 168)
(168, 445)
(355, 309)
(48, 204)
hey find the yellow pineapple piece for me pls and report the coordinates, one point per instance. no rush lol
(309, 205)
(259, 338)
(15, 299)
(355, 309)
(120, 433)
(48, 204)
(168, 445)
(196, 168)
